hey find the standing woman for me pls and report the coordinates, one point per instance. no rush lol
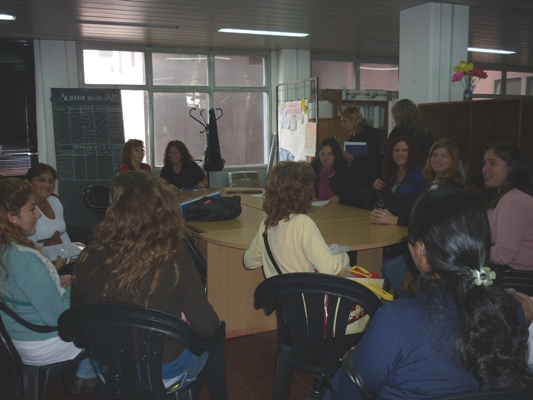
(408, 121)
(294, 239)
(132, 156)
(402, 171)
(30, 285)
(334, 181)
(442, 167)
(366, 167)
(509, 201)
(137, 257)
(180, 169)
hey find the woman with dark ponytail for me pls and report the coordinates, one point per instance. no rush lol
(460, 332)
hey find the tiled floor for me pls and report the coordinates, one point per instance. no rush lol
(250, 367)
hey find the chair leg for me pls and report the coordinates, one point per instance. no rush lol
(216, 381)
(31, 383)
(283, 378)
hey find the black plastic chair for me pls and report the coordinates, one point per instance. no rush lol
(521, 281)
(29, 381)
(198, 259)
(309, 339)
(96, 199)
(127, 342)
(354, 376)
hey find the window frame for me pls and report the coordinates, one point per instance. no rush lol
(210, 88)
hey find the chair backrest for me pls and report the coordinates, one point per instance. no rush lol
(522, 281)
(199, 260)
(127, 342)
(314, 324)
(96, 199)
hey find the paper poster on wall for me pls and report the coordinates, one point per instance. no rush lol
(295, 138)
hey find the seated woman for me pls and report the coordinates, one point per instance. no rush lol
(51, 228)
(408, 121)
(180, 169)
(403, 182)
(334, 181)
(31, 286)
(367, 166)
(509, 201)
(293, 238)
(460, 332)
(442, 166)
(137, 257)
(132, 156)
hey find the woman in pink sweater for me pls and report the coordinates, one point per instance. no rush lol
(509, 203)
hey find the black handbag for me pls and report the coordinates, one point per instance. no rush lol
(209, 209)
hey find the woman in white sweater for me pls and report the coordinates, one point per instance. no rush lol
(294, 239)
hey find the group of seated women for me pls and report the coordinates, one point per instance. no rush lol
(179, 168)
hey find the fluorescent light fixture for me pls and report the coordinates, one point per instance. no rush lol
(380, 68)
(7, 17)
(493, 51)
(269, 33)
(134, 24)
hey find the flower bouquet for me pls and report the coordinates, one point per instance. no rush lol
(468, 76)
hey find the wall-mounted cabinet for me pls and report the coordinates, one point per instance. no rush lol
(474, 124)
(331, 104)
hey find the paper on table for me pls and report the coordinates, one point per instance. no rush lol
(259, 195)
(320, 203)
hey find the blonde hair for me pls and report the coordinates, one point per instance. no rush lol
(452, 173)
(288, 190)
(354, 113)
(142, 231)
(14, 194)
(127, 149)
(407, 115)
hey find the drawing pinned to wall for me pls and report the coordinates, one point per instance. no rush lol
(310, 139)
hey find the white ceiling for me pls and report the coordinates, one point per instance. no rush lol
(366, 28)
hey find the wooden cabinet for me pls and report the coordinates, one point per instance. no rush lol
(474, 124)
(331, 127)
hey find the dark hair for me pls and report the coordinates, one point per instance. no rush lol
(142, 231)
(337, 152)
(407, 115)
(288, 190)
(414, 158)
(127, 149)
(186, 157)
(490, 341)
(452, 173)
(39, 169)
(519, 176)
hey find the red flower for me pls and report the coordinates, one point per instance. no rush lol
(478, 72)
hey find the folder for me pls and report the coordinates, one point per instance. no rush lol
(356, 149)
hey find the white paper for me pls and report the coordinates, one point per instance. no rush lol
(65, 250)
(320, 203)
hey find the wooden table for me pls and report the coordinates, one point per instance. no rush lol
(230, 287)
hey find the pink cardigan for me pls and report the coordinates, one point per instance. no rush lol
(511, 227)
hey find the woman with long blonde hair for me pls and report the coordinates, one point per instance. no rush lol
(137, 257)
(408, 121)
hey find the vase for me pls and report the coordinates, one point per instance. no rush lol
(467, 94)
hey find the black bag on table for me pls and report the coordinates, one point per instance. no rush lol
(209, 209)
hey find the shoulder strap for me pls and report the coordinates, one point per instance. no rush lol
(26, 324)
(267, 247)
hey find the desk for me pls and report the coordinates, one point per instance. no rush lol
(230, 287)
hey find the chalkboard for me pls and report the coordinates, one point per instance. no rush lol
(89, 135)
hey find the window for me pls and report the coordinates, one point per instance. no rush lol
(177, 82)
(334, 74)
(514, 86)
(378, 76)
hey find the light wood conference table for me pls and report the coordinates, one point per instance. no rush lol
(230, 287)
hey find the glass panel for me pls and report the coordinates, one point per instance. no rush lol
(379, 76)
(519, 82)
(333, 74)
(179, 69)
(172, 122)
(113, 67)
(242, 127)
(135, 115)
(239, 71)
(529, 86)
(491, 85)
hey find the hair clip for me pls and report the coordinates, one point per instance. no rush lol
(483, 277)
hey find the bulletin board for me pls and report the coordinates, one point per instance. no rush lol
(297, 119)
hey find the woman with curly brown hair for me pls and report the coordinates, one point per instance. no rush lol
(137, 257)
(442, 166)
(295, 242)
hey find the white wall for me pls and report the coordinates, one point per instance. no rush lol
(56, 66)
